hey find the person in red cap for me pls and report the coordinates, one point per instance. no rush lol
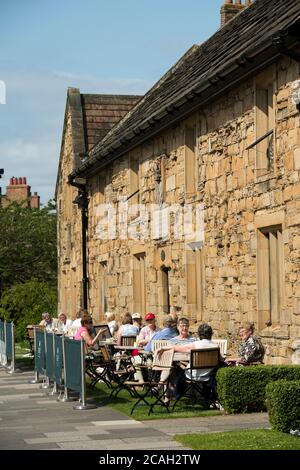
(148, 331)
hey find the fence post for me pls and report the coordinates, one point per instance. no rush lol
(54, 391)
(2, 343)
(36, 379)
(13, 352)
(46, 383)
(4, 357)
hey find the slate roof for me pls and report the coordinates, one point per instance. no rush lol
(101, 112)
(204, 70)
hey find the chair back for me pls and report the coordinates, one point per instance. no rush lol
(204, 358)
(159, 343)
(164, 361)
(105, 353)
(30, 332)
(30, 336)
(222, 343)
(128, 340)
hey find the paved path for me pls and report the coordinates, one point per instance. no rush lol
(29, 419)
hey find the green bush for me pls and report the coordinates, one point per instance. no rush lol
(242, 389)
(283, 404)
(24, 303)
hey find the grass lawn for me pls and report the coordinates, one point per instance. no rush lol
(22, 348)
(254, 439)
(124, 402)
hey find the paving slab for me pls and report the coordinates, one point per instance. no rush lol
(35, 420)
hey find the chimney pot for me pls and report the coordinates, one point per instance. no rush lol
(10, 181)
(229, 9)
(13, 180)
(20, 180)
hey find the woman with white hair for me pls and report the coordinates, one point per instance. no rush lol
(64, 324)
(111, 322)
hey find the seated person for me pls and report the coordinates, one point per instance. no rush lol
(183, 326)
(63, 324)
(206, 376)
(168, 332)
(77, 322)
(127, 328)
(84, 332)
(250, 350)
(137, 320)
(111, 321)
(175, 312)
(48, 322)
(148, 331)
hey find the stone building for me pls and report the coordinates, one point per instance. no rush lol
(19, 191)
(193, 198)
(88, 118)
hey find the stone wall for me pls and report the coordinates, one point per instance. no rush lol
(238, 201)
(69, 233)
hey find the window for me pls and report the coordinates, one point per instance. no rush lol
(139, 283)
(103, 287)
(265, 121)
(165, 290)
(194, 283)
(270, 275)
(190, 159)
(67, 247)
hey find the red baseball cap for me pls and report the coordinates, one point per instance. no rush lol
(149, 316)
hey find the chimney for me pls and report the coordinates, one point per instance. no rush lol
(18, 191)
(35, 201)
(232, 8)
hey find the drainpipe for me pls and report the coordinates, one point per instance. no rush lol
(278, 40)
(82, 201)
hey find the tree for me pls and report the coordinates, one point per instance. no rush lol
(24, 303)
(27, 245)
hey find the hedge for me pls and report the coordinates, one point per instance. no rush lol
(242, 389)
(283, 404)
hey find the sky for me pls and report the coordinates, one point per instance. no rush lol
(98, 46)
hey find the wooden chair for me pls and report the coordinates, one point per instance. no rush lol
(200, 359)
(128, 340)
(98, 366)
(30, 337)
(222, 343)
(159, 343)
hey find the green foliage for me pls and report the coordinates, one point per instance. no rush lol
(283, 404)
(242, 389)
(24, 303)
(254, 439)
(27, 245)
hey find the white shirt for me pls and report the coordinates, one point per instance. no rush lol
(200, 374)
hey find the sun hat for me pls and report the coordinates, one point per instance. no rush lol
(136, 315)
